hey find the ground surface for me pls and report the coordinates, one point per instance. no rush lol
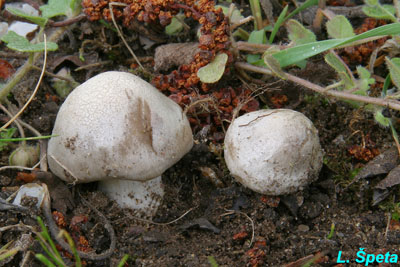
(223, 215)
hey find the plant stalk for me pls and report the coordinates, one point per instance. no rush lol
(393, 104)
(24, 69)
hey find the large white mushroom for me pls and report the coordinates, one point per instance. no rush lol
(273, 152)
(118, 129)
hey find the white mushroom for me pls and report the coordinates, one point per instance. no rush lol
(118, 129)
(273, 152)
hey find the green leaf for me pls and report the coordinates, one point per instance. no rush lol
(339, 27)
(214, 70)
(335, 63)
(348, 83)
(35, 19)
(256, 37)
(75, 6)
(298, 33)
(341, 69)
(44, 260)
(56, 8)
(364, 80)
(380, 11)
(278, 24)
(236, 15)
(394, 69)
(174, 27)
(21, 44)
(382, 120)
(6, 134)
(386, 84)
(372, 2)
(273, 65)
(295, 54)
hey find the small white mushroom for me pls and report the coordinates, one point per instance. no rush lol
(118, 129)
(273, 152)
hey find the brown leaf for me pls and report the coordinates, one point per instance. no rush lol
(61, 197)
(6, 69)
(392, 179)
(381, 164)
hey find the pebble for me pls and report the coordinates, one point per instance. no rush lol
(303, 228)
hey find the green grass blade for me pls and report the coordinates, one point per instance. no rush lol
(45, 234)
(278, 23)
(282, 18)
(256, 11)
(386, 85)
(71, 244)
(212, 261)
(8, 253)
(44, 260)
(27, 138)
(394, 132)
(123, 260)
(292, 55)
(4, 248)
(305, 5)
(59, 262)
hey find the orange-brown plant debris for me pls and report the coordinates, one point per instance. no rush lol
(183, 85)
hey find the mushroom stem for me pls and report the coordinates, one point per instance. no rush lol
(143, 197)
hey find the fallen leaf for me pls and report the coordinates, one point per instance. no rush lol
(6, 69)
(381, 164)
(202, 223)
(214, 70)
(392, 179)
(61, 197)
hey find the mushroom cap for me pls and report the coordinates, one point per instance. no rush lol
(116, 125)
(273, 152)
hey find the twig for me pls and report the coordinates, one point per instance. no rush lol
(241, 22)
(155, 223)
(24, 124)
(9, 114)
(66, 22)
(34, 91)
(4, 205)
(97, 64)
(393, 104)
(66, 169)
(19, 167)
(256, 48)
(54, 75)
(230, 212)
(196, 14)
(19, 227)
(54, 230)
(111, 4)
(387, 225)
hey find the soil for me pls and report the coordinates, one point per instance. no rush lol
(232, 224)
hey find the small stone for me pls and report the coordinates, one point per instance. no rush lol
(303, 228)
